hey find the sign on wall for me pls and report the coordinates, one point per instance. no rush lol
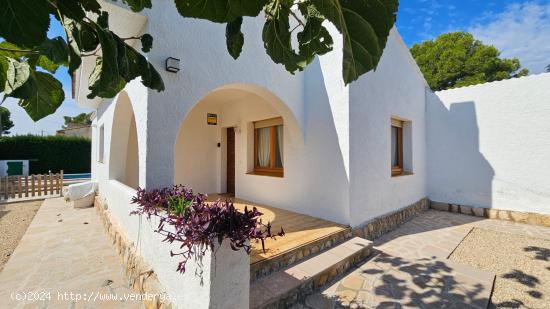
(211, 119)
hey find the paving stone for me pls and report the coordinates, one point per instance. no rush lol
(66, 256)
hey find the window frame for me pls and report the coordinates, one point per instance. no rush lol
(272, 170)
(397, 170)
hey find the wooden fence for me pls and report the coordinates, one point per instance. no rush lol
(31, 186)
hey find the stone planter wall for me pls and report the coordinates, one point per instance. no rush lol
(386, 223)
(141, 278)
(491, 213)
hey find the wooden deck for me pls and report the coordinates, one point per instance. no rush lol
(299, 229)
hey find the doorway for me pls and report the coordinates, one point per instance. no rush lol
(230, 161)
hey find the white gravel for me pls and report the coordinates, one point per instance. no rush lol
(14, 220)
(521, 265)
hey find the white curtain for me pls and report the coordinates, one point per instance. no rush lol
(280, 142)
(263, 147)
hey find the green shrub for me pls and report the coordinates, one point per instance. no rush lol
(49, 153)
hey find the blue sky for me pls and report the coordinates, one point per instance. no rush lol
(519, 28)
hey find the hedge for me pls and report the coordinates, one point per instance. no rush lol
(49, 153)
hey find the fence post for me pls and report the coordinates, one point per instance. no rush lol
(61, 177)
(20, 193)
(45, 180)
(3, 186)
(51, 183)
(26, 186)
(39, 184)
(13, 187)
(57, 183)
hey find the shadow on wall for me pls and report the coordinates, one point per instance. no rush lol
(458, 172)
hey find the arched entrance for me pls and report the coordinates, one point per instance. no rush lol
(235, 132)
(123, 160)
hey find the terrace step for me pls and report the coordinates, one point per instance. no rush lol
(287, 286)
(263, 268)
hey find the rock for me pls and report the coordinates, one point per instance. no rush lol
(466, 210)
(455, 208)
(439, 206)
(545, 220)
(478, 211)
(519, 216)
(492, 213)
(504, 215)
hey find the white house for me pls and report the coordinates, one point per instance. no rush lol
(307, 143)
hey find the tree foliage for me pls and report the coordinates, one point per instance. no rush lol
(5, 121)
(28, 58)
(457, 59)
(81, 119)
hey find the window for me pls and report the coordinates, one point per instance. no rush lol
(396, 147)
(268, 147)
(101, 143)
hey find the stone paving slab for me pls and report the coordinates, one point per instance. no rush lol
(64, 251)
(389, 281)
(412, 269)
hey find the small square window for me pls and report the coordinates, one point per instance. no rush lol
(396, 147)
(101, 142)
(401, 147)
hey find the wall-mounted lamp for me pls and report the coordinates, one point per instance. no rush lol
(172, 65)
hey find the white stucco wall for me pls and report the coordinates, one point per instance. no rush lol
(396, 89)
(488, 145)
(318, 155)
(220, 279)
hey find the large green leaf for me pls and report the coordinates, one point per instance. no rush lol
(3, 70)
(73, 39)
(105, 78)
(24, 22)
(314, 39)
(234, 38)
(15, 74)
(53, 53)
(46, 99)
(277, 38)
(365, 26)
(71, 9)
(220, 11)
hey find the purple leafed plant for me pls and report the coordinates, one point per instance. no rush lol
(187, 219)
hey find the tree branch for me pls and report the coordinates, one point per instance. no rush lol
(27, 51)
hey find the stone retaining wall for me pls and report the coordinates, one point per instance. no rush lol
(140, 276)
(386, 223)
(491, 213)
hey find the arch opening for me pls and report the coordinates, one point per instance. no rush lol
(222, 157)
(123, 158)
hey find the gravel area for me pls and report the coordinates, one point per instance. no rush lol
(521, 265)
(14, 220)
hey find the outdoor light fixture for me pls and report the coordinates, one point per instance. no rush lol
(172, 65)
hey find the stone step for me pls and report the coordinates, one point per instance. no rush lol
(268, 266)
(295, 282)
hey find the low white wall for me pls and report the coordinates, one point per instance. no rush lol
(219, 280)
(488, 145)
